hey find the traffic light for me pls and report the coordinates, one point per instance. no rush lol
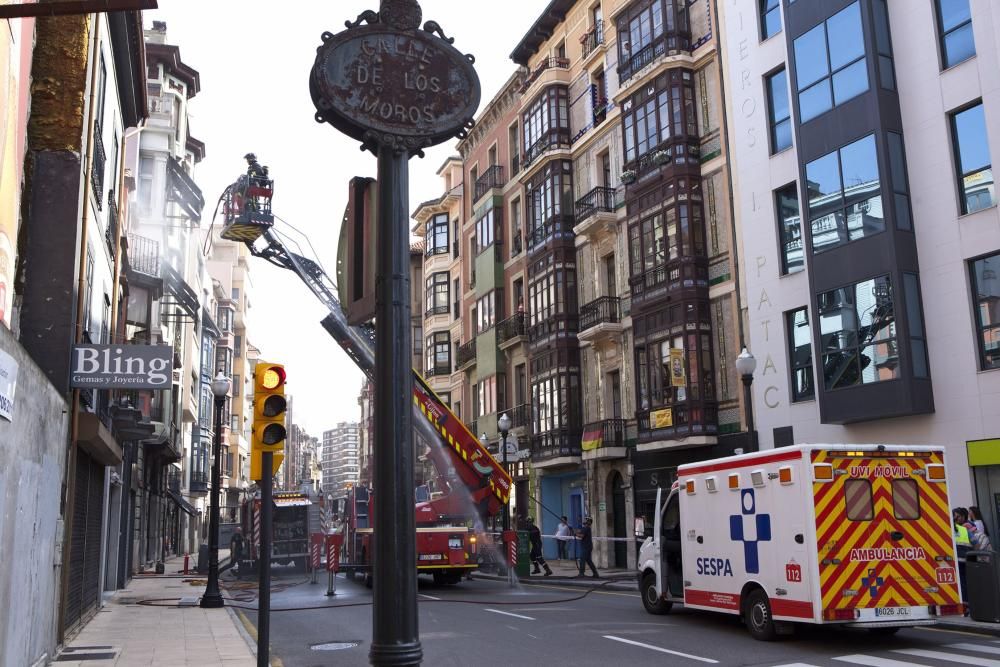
(269, 407)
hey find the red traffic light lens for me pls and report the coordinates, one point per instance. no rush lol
(273, 434)
(273, 377)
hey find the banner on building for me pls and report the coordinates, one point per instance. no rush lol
(8, 383)
(661, 418)
(677, 378)
(121, 366)
(592, 439)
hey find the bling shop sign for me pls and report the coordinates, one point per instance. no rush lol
(121, 366)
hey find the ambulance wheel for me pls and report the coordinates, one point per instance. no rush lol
(757, 615)
(651, 600)
(883, 632)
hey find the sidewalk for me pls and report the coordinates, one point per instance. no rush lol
(969, 625)
(170, 634)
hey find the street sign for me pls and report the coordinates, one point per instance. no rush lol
(391, 83)
(8, 383)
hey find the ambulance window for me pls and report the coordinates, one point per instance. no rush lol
(858, 497)
(905, 499)
(671, 519)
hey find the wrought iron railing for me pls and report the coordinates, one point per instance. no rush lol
(97, 166)
(593, 38)
(598, 199)
(613, 432)
(111, 233)
(556, 137)
(144, 255)
(436, 310)
(515, 163)
(604, 309)
(435, 370)
(548, 63)
(491, 178)
(512, 327)
(555, 444)
(466, 353)
(199, 482)
(520, 416)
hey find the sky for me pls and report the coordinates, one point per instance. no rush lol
(254, 58)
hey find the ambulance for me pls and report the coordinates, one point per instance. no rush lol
(856, 535)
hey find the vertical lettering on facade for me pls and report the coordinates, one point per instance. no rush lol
(763, 299)
(768, 401)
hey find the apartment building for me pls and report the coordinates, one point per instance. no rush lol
(602, 311)
(341, 458)
(864, 133)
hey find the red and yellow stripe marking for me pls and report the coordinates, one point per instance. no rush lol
(905, 582)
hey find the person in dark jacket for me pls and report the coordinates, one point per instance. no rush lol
(586, 538)
(535, 537)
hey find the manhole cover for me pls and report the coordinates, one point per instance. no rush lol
(335, 646)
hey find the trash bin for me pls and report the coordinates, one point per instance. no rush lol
(982, 573)
(203, 559)
(523, 566)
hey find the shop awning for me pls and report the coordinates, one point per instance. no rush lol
(183, 504)
(592, 438)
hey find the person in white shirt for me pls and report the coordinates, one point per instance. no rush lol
(563, 536)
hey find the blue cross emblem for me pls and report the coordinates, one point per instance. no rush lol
(872, 583)
(750, 528)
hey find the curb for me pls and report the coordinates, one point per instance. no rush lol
(972, 626)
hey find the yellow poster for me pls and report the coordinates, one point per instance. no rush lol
(661, 418)
(677, 378)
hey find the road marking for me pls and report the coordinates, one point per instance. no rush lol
(429, 597)
(950, 657)
(979, 648)
(872, 661)
(507, 613)
(797, 664)
(661, 650)
(537, 609)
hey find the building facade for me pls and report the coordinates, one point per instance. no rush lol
(341, 458)
(864, 134)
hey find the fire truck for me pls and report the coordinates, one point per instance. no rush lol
(856, 535)
(470, 485)
(290, 528)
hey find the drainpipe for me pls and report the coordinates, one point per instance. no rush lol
(70, 499)
(121, 222)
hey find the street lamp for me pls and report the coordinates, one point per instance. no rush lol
(213, 597)
(503, 424)
(746, 364)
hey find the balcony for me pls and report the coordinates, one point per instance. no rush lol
(199, 483)
(558, 227)
(437, 370)
(97, 167)
(174, 480)
(144, 256)
(512, 331)
(436, 310)
(556, 137)
(491, 178)
(601, 319)
(683, 274)
(545, 65)
(608, 439)
(679, 425)
(520, 416)
(466, 355)
(670, 43)
(595, 213)
(593, 39)
(555, 449)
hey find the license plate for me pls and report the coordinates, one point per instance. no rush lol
(431, 557)
(883, 612)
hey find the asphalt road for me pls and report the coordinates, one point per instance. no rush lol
(485, 622)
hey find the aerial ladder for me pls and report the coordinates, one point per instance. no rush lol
(468, 475)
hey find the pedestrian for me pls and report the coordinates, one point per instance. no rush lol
(563, 536)
(963, 543)
(976, 517)
(535, 538)
(586, 537)
(236, 544)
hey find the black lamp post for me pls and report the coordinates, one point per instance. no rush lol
(213, 597)
(746, 364)
(503, 425)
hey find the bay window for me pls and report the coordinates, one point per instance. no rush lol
(550, 202)
(546, 122)
(437, 235)
(648, 29)
(437, 296)
(658, 114)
